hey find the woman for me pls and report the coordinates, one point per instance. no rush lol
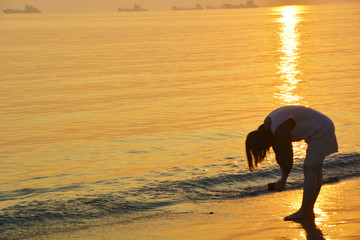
(282, 127)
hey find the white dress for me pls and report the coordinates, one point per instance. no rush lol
(315, 128)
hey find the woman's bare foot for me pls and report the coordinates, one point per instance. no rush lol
(299, 215)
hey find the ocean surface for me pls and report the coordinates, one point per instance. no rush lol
(112, 114)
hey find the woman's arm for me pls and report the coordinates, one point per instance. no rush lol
(283, 150)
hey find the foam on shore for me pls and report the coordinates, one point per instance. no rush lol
(337, 217)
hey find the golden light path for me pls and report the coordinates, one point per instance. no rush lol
(289, 39)
(289, 35)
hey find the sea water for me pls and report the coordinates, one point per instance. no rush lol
(110, 114)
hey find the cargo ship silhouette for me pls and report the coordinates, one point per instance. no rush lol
(28, 9)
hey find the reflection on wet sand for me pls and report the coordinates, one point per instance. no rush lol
(311, 229)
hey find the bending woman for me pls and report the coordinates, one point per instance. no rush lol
(284, 126)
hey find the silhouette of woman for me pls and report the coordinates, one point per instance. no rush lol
(282, 127)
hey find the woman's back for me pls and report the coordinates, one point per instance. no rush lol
(309, 122)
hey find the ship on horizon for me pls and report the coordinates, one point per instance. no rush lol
(28, 9)
(249, 4)
(136, 8)
(197, 7)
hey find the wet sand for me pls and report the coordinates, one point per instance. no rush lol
(337, 217)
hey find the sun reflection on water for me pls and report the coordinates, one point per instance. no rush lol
(289, 36)
(288, 67)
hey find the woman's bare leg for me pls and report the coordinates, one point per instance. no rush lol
(312, 186)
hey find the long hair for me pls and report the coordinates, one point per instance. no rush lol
(257, 146)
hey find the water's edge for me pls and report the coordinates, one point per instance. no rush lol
(80, 212)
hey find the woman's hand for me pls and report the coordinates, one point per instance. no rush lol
(280, 185)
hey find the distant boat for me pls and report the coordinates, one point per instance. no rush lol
(136, 8)
(28, 9)
(197, 7)
(249, 4)
(226, 6)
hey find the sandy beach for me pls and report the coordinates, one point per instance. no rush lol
(260, 217)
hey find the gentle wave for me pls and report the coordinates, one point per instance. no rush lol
(152, 196)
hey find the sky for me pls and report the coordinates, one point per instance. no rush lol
(112, 5)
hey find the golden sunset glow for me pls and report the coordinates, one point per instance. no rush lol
(127, 119)
(288, 66)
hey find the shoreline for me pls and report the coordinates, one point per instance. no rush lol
(337, 217)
